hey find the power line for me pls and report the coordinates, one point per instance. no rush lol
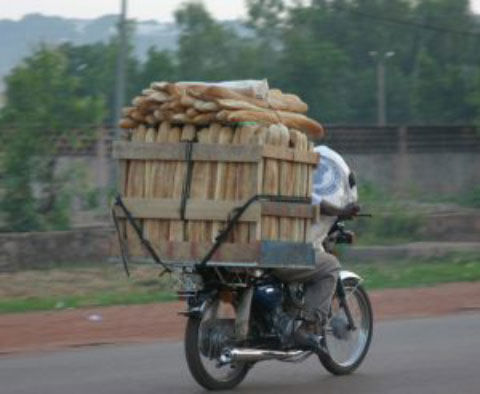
(403, 22)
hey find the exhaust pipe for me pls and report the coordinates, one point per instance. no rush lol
(250, 355)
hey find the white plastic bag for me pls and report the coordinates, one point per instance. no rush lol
(251, 87)
(330, 184)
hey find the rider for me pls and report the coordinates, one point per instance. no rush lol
(334, 190)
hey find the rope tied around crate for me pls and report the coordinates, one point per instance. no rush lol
(235, 215)
(188, 179)
(139, 231)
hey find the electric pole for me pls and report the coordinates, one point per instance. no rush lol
(121, 75)
(120, 84)
(381, 58)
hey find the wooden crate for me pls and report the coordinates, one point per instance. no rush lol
(268, 234)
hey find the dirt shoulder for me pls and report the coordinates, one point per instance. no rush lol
(148, 323)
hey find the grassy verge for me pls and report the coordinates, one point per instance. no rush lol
(69, 302)
(63, 288)
(76, 287)
(402, 274)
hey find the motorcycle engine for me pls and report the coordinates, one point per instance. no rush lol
(268, 300)
(268, 296)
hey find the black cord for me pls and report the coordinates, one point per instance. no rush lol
(235, 215)
(403, 22)
(121, 242)
(145, 242)
(188, 179)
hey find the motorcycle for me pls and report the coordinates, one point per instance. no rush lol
(239, 316)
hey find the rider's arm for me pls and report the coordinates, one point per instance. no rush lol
(343, 213)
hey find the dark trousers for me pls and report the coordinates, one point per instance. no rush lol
(320, 283)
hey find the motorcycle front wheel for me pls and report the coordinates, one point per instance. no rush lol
(348, 347)
(205, 338)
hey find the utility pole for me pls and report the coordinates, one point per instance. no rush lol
(120, 83)
(121, 75)
(381, 97)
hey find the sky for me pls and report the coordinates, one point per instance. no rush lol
(161, 10)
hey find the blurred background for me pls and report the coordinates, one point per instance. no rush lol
(396, 83)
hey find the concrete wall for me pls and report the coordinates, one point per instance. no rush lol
(411, 161)
(37, 250)
(418, 174)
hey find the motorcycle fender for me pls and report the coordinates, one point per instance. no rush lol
(345, 275)
(195, 311)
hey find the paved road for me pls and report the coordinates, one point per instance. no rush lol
(438, 355)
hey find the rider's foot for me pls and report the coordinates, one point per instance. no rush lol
(306, 338)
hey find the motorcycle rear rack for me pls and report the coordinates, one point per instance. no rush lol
(271, 254)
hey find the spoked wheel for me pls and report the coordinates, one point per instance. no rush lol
(205, 338)
(346, 347)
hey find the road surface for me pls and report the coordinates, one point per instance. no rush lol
(435, 355)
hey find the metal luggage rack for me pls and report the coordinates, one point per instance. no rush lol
(271, 249)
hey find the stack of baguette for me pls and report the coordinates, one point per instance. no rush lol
(203, 104)
(172, 113)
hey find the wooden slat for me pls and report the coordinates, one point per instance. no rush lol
(228, 252)
(148, 151)
(272, 152)
(176, 152)
(198, 230)
(143, 208)
(231, 153)
(151, 208)
(267, 254)
(196, 209)
(208, 152)
(288, 210)
(256, 174)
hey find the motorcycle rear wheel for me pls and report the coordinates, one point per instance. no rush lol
(347, 353)
(204, 369)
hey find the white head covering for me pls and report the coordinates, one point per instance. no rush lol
(330, 184)
(331, 179)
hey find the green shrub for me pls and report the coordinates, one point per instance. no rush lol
(472, 199)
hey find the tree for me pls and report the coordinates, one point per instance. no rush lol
(43, 104)
(93, 66)
(316, 70)
(441, 93)
(160, 66)
(209, 51)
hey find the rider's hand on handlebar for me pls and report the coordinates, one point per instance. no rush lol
(349, 211)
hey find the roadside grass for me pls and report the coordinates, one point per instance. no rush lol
(106, 285)
(404, 274)
(73, 302)
(60, 288)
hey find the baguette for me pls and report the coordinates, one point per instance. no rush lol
(149, 224)
(291, 120)
(277, 101)
(244, 189)
(177, 227)
(160, 229)
(197, 230)
(270, 184)
(286, 186)
(159, 86)
(225, 137)
(136, 188)
(128, 123)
